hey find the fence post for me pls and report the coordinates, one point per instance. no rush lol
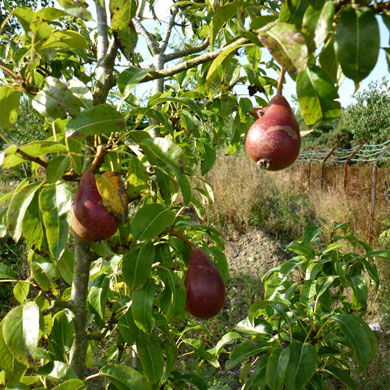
(348, 161)
(373, 191)
(323, 166)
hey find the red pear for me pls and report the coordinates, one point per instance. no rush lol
(90, 219)
(274, 141)
(204, 285)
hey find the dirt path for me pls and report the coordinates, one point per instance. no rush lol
(254, 253)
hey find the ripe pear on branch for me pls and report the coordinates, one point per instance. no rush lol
(274, 141)
(99, 205)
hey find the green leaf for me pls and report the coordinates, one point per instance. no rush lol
(317, 96)
(71, 384)
(65, 266)
(199, 349)
(221, 15)
(142, 307)
(255, 327)
(124, 377)
(129, 78)
(137, 178)
(101, 119)
(56, 168)
(55, 203)
(180, 100)
(330, 64)
(343, 376)
(9, 106)
(21, 290)
(30, 323)
(57, 370)
(33, 149)
(63, 39)
(98, 294)
(317, 23)
(300, 248)
(226, 339)
(127, 327)
(216, 65)
(383, 253)
(6, 272)
(292, 11)
(55, 100)
(7, 359)
(152, 360)
(62, 334)
(311, 232)
(150, 221)
(357, 42)
(359, 291)
(301, 366)
(165, 150)
(33, 230)
(245, 350)
(277, 367)
(43, 271)
(173, 297)
(122, 12)
(17, 209)
(136, 265)
(352, 328)
(287, 45)
(258, 379)
(21, 331)
(191, 378)
(209, 157)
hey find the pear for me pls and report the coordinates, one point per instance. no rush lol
(204, 285)
(90, 219)
(274, 141)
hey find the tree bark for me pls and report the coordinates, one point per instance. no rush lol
(83, 259)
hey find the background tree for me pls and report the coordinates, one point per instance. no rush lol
(127, 293)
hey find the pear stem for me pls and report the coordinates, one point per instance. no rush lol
(100, 151)
(279, 90)
(182, 237)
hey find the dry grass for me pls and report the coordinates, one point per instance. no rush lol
(284, 202)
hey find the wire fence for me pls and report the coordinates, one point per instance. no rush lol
(364, 153)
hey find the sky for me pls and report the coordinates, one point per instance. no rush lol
(346, 90)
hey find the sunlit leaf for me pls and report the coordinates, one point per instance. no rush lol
(9, 106)
(150, 221)
(124, 377)
(101, 119)
(137, 264)
(55, 203)
(17, 209)
(287, 46)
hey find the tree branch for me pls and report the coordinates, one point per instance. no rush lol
(152, 44)
(31, 158)
(171, 23)
(154, 75)
(102, 31)
(188, 51)
(83, 259)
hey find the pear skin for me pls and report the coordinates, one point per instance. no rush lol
(204, 285)
(274, 141)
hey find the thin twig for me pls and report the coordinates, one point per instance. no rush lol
(279, 90)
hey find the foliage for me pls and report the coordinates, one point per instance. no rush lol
(309, 323)
(127, 293)
(368, 118)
